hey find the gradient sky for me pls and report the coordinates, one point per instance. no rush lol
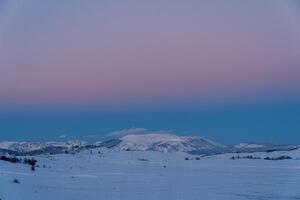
(226, 70)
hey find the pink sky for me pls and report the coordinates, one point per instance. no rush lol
(135, 52)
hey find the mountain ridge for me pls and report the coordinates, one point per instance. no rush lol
(160, 142)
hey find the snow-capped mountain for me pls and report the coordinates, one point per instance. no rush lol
(27, 147)
(164, 143)
(262, 147)
(159, 142)
(248, 145)
(145, 142)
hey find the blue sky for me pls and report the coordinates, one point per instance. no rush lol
(271, 122)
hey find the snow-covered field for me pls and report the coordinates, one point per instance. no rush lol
(130, 175)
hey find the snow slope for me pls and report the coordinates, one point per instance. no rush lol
(109, 174)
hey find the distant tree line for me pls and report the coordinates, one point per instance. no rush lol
(266, 158)
(13, 159)
(245, 157)
(279, 158)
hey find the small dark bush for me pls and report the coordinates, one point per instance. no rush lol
(31, 162)
(17, 181)
(142, 159)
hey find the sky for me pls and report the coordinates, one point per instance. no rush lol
(225, 70)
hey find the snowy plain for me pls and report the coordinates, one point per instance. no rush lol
(135, 175)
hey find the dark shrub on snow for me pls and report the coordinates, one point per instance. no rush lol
(31, 162)
(16, 181)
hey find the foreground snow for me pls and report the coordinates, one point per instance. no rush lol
(113, 175)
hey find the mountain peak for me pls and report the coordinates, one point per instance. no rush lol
(164, 143)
